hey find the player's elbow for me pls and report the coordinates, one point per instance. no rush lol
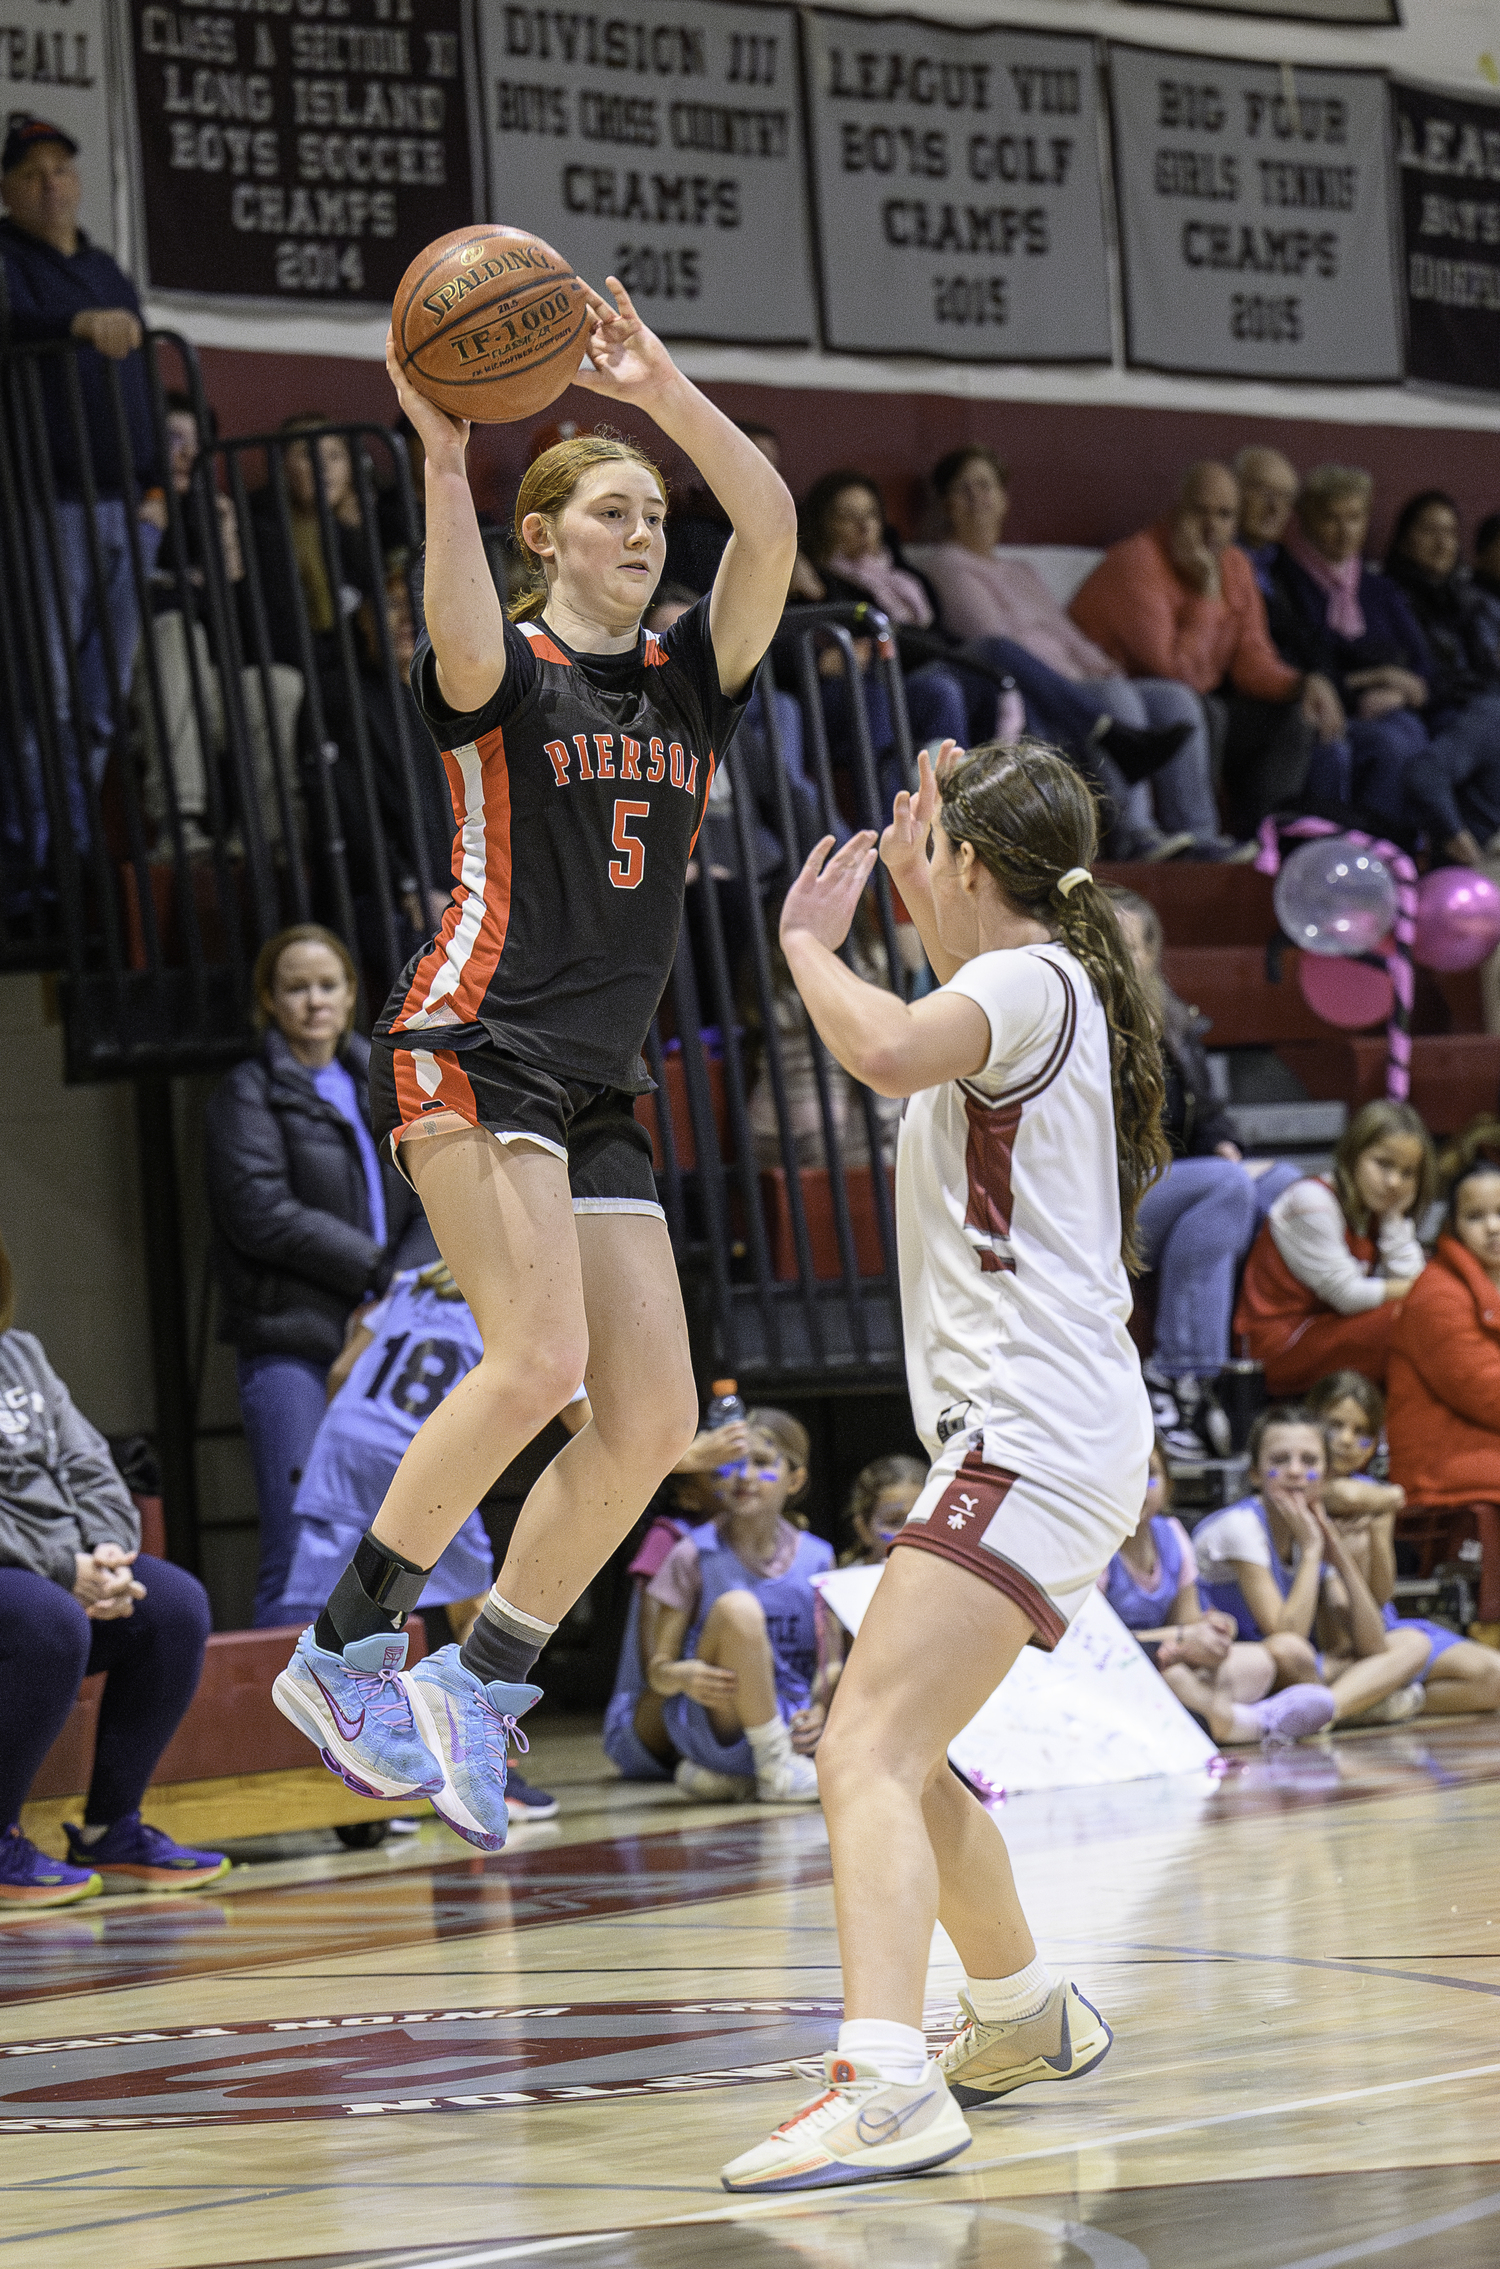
(884, 1066)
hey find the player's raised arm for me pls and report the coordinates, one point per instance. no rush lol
(465, 619)
(630, 364)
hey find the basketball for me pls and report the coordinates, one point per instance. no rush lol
(489, 323)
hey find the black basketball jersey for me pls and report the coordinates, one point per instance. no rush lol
(578, 792)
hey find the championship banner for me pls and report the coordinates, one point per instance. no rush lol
(959, 190)
(52, 66)
(1448, 155)
(1296, 11)
(661, 144)
(299, 158)
(1255, 218)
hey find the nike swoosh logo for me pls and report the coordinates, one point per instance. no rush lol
(349, 1728)
(884, 2126)
(1062, 2062)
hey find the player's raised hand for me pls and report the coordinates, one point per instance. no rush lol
(903, 846)
(630, 364)
(821, 902)
(444, 438)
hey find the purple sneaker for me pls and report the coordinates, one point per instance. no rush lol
(28, 1878)
(1293, 1715)
(132, 1856)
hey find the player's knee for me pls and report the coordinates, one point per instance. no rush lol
(542, 1382)
(650, 1430)
(739, 1612)
(1296, 1663)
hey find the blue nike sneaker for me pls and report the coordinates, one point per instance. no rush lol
(468, 1725)
(354, 1709)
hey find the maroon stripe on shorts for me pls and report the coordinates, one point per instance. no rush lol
(954, 1530)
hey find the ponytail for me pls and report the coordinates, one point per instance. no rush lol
(1032, 822)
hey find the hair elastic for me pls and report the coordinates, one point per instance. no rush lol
(1068, 883)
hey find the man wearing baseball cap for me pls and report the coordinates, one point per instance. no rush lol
(58, 286)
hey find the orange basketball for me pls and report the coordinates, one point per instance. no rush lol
(489, 323)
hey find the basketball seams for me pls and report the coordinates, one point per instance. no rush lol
(472, 309)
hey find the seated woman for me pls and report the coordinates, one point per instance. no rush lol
(1458, 1675)
(985, 596)
(1243, 1690)
(882, 1494)
(1422, 752)
(1276, 1564)
(1458, 781)
(76, 1598)
(953, 689)
(1197, 1220)
(635, 1737)
(1338, 1254)
(1444, 1379)
(735, 1656)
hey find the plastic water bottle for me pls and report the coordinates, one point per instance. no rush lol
(726, 1407)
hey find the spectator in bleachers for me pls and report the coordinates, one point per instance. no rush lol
(78, 1598)
(1230, 1683)
(58, 286)
(1324, 1283)
(1179, 600)
(1198, 1219)
(953, 687)
(309, 1223)
(1456, 785)
(1487, 564)
(1444, 1379)
(882, 1494)
(635, 1737)
(181, 754)
(1268, 490)
(985, 596)
(1458, 1675)
(803, 1120)
(698, 526)
(1276, 1563)
(736, 1651)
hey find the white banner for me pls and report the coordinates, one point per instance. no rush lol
(1256, 223)
(959, 192)
(662, 144)
(52, 66)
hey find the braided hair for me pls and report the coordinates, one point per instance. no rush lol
(1033, 823)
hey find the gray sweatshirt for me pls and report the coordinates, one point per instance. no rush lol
(60, 1492)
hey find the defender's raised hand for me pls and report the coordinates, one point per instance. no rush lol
(821, 902)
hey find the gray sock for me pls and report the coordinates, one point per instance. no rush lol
(504, 1642)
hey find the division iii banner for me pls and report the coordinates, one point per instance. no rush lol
(1255, 218)
(960, 208)
(661, 143)
(1448, 156)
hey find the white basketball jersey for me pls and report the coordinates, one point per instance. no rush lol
(1014, 1298)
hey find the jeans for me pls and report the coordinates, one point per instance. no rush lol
(83, 742)
(282, 1400)
(151, 1660)
(1384, 752)
(1455, 782)
(1178, 798)
(1196, 1226)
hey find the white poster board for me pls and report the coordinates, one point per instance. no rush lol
(1256, 220)
(959, 190)
(52, 66)
(1092, 1711)
(662, 144)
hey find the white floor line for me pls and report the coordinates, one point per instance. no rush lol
(1389, 2240)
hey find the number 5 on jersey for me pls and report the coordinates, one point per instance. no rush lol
(625, 873)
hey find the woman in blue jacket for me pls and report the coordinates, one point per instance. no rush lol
(308, 1221)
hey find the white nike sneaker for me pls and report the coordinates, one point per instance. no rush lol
(859, 2129)
(1066, 2038)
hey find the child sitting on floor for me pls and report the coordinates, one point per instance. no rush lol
(1459, 1676)
(1275, 1562)
(882, 1495)
(736, 1654)
(1152, 1585)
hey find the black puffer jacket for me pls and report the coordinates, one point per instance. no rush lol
(291, 1210)
(1193, 1120)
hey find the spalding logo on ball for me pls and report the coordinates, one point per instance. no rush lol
(489, 323)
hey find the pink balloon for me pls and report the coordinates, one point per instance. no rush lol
(1458, 919)
(1348, 993)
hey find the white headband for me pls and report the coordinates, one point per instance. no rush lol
(1068, 883)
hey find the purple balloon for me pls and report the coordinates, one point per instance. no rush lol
(1458, 918)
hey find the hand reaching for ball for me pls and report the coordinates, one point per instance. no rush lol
(629, 361)
(443, 437)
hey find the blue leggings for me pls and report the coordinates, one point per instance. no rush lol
(1196, 1225)
(282, 1401)
(151, 1661)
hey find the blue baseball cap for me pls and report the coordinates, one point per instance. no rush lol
(23, 134)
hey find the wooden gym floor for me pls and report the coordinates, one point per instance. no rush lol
(417, 2056)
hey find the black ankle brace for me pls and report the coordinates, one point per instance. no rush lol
(376, 1592)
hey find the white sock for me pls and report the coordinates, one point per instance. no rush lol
(1004, 2000)
(898, 2052)
(769, 1743)
(1246, 1725)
